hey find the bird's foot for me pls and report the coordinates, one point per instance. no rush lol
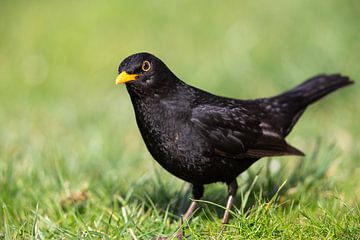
(179, 234)
(223, 227)
(180, 231)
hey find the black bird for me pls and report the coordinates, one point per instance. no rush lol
(203, 138)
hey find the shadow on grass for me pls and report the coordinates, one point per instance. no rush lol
(296, 178)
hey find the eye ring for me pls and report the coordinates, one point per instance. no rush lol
(146, 66)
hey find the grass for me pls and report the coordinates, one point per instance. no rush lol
(73, 165)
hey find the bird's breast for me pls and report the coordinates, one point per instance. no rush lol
(169, 135)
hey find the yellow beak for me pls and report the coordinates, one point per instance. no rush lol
(125, 77)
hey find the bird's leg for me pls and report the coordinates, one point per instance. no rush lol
(198, 191)
(190, 210)
(232, 188)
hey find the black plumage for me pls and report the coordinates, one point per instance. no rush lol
(203, 138)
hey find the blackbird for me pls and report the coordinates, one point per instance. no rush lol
(203, 138)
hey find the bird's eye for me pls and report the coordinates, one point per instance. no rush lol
(146, 66)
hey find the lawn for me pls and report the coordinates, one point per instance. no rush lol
(73, 164)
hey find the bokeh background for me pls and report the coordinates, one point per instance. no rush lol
(65, 126)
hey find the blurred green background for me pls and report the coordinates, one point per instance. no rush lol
(63, 120)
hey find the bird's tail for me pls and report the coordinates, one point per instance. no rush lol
(294, 102)
(316, 88)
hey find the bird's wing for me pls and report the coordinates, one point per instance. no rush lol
(236, 133)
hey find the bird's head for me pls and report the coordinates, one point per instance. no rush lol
(144, 73)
